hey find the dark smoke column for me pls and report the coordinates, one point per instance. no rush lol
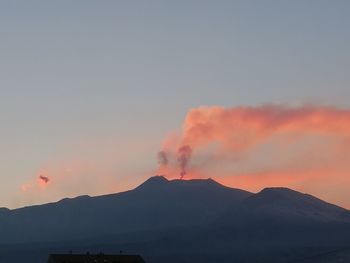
(184, 156)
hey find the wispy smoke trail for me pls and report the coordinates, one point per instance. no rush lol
(162, 158)
(184, 156)
(242, 128)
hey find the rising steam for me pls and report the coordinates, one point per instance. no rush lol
(184, 155)
(179, 160)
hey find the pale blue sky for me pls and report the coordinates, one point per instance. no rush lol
(80, 71)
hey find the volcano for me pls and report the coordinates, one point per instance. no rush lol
(202, 219)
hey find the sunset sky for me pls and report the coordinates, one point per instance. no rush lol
(91, 91)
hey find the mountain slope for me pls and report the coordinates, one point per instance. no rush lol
(157, 203)
(287, 203)
(281, 216)
(179, 221)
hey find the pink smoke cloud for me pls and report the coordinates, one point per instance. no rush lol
(306, 148)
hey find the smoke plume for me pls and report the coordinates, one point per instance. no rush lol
(184, 155)
(306, 148)
(242, 128)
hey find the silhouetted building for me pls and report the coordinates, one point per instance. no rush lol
(94, 258)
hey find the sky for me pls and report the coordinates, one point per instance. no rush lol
(90, 90)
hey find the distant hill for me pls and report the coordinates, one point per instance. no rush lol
(283, 204)
(198, 219)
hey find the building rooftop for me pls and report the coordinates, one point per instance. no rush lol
(94, 258)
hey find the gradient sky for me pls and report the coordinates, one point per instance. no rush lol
(89, 89)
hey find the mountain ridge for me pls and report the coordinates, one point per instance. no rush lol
(160, 181)
(197, 216)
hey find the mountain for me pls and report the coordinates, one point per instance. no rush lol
(157, 203)
(180, 221)
(283, 204)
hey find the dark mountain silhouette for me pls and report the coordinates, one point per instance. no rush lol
(283, 204)
(157, 203)
(180, 221)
